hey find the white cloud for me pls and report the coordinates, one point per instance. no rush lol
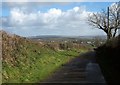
(19, 17)
(55, 11)
(54, 21)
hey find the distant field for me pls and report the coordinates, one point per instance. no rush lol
(32, 61)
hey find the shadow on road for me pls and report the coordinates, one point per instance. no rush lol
(82, 69)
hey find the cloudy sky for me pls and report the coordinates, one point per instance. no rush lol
(53, 18)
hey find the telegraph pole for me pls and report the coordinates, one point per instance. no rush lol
(108, 36)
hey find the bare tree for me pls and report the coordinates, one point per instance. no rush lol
(108, 21)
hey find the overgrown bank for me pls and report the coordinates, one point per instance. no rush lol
(25, 60)
(108, 59)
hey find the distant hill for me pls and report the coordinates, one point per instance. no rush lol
(50, 37)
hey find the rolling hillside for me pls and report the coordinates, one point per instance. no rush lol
(25, 60)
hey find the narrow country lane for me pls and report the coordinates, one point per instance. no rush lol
(83, 70)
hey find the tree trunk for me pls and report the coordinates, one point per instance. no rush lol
(115, 32)
(109, 36)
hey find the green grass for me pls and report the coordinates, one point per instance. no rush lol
(26, 61)
(34, 64)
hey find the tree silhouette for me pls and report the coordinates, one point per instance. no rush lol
(108, 21)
